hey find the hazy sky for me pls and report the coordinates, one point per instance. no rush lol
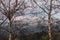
(57, 15)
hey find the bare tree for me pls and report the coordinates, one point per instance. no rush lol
(49, 17)
(49, 21)
(9, 12)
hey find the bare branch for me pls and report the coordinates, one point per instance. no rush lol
(16, 2)
(4, 5)
(5, 11)
(3, 22)
(40, 7)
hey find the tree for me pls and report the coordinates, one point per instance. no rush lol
(9, 11)
(49, 21)
(49, 18)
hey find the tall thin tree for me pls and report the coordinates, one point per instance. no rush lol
(9, 16)
(49, 17)
(49, 21)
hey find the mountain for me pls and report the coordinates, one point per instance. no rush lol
(30, 24)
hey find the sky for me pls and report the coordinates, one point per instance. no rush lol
(56, 15)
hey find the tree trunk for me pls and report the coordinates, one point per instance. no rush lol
(49, 21)
(9, 36)
(10, 30)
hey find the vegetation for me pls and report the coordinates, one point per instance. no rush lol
(37, 11)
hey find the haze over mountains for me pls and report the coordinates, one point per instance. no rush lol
(29, 24)
(33, 19)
